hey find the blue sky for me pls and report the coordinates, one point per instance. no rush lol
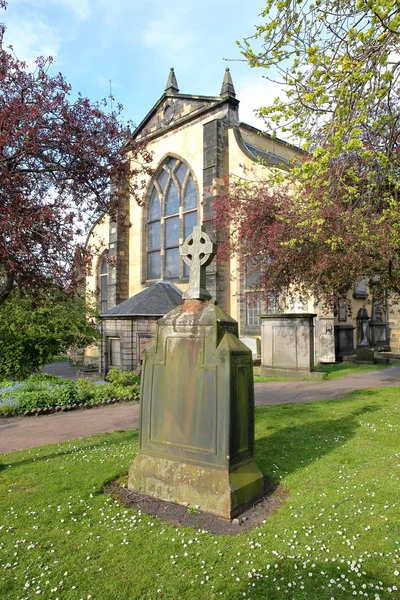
(134, 44)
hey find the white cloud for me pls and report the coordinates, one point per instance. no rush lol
(31, 38)
(81, 8)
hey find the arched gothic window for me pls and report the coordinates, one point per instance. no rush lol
(103, 285)
(172, 213)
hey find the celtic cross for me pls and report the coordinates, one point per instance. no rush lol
(197, 251)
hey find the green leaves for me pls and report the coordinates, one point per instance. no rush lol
(32, 331)
(337, 62)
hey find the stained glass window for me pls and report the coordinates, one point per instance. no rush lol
(172, 214)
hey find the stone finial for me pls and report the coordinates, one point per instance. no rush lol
(197, 251)
(227, 89)
(172, 84)
(127, 136)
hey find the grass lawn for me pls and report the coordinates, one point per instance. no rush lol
(342, 369)
(337, 536)
(332, 371)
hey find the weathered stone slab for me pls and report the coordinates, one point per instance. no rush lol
(287, 341)
(254, 345)
(325, 340)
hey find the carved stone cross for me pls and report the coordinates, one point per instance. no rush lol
(198, 251)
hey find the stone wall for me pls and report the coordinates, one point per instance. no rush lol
(130, 332)
(118, 252)
(215, 168)
(394, 326)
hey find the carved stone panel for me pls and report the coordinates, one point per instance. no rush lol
(287, 341)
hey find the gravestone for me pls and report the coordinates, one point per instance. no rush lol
(197, 403)
(342, 312)
(360, 289)
(325, 339)
(363, 328)
(364, 352)
(379, 327)
(287, 345)
(344, 340)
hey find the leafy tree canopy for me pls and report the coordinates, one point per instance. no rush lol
(57, 159)
(339, 63)
(336, 219)
(33, 331)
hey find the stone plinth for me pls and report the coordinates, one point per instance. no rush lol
(197, 414)
(287, 343)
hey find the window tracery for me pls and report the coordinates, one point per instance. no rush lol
(172, 213)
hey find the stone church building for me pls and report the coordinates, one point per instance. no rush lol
(196, 141)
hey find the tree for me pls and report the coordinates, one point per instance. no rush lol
(299, 254)
(57, 159)
(336, 218)
(33, 331)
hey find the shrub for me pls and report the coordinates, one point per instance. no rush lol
(121, 377)
(90, 391)
(34, 399)
(43, 390)
(32, 331)
(123, 384)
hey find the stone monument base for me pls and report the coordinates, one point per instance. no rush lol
(265, 371)
(368, 356)
(217, 491)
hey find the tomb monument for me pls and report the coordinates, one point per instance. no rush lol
(197, 403)
(287, 345)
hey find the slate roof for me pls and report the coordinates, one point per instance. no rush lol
(155, 301)
(266, 157)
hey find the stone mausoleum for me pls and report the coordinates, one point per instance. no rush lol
(198, 142)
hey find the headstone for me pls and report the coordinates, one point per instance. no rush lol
(364, 352)
(342, 313)
(197, 404)
(363, 328)
(325, 339)
(287, 343)
(344, 340)
(379, 327)
(197, 251)
(360, 289)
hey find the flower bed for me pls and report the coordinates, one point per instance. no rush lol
(43, 393)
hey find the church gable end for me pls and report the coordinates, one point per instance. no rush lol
(173, 109)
